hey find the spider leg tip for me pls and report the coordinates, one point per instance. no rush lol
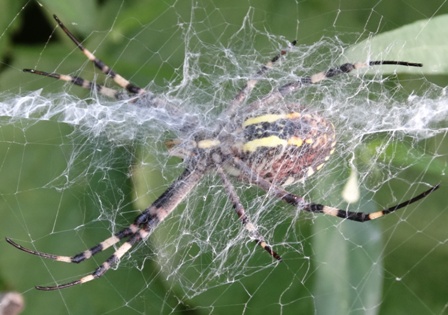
(57, 287)
(276, 256)
(434, 188)
(10, 241)
(49, 288)
(415, 64)
(42, 288)
(58, 21)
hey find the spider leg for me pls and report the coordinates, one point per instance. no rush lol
(128, 86)
(361, 216)
(85, 84)
(108, 92)
(302, 204)
(139, 230)
(244, 92)
(239, 209)
(292, 87)
(105, 266)
(81, 256)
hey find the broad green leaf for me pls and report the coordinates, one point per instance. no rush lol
(422, 41)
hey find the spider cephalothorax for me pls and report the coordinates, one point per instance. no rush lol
(268, 148)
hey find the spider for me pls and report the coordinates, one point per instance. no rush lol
(271, 149)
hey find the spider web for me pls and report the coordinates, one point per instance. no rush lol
(77, 167)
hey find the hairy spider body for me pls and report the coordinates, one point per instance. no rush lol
(287, 148)
(270, 148)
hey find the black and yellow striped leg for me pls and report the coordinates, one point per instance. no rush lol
(139, 230)
(299, 202)
(292, 87)
(85, 84)
(105, 266)
(128, 86)
(345, 68)
(81, 256)
(118, 79)
(245, 91)
(240, 211)
(361, 216)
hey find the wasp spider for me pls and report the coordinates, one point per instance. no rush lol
(270, 149)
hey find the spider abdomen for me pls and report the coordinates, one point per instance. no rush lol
(286, 148)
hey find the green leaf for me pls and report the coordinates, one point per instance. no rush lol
(422, 41)
(358, 263)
